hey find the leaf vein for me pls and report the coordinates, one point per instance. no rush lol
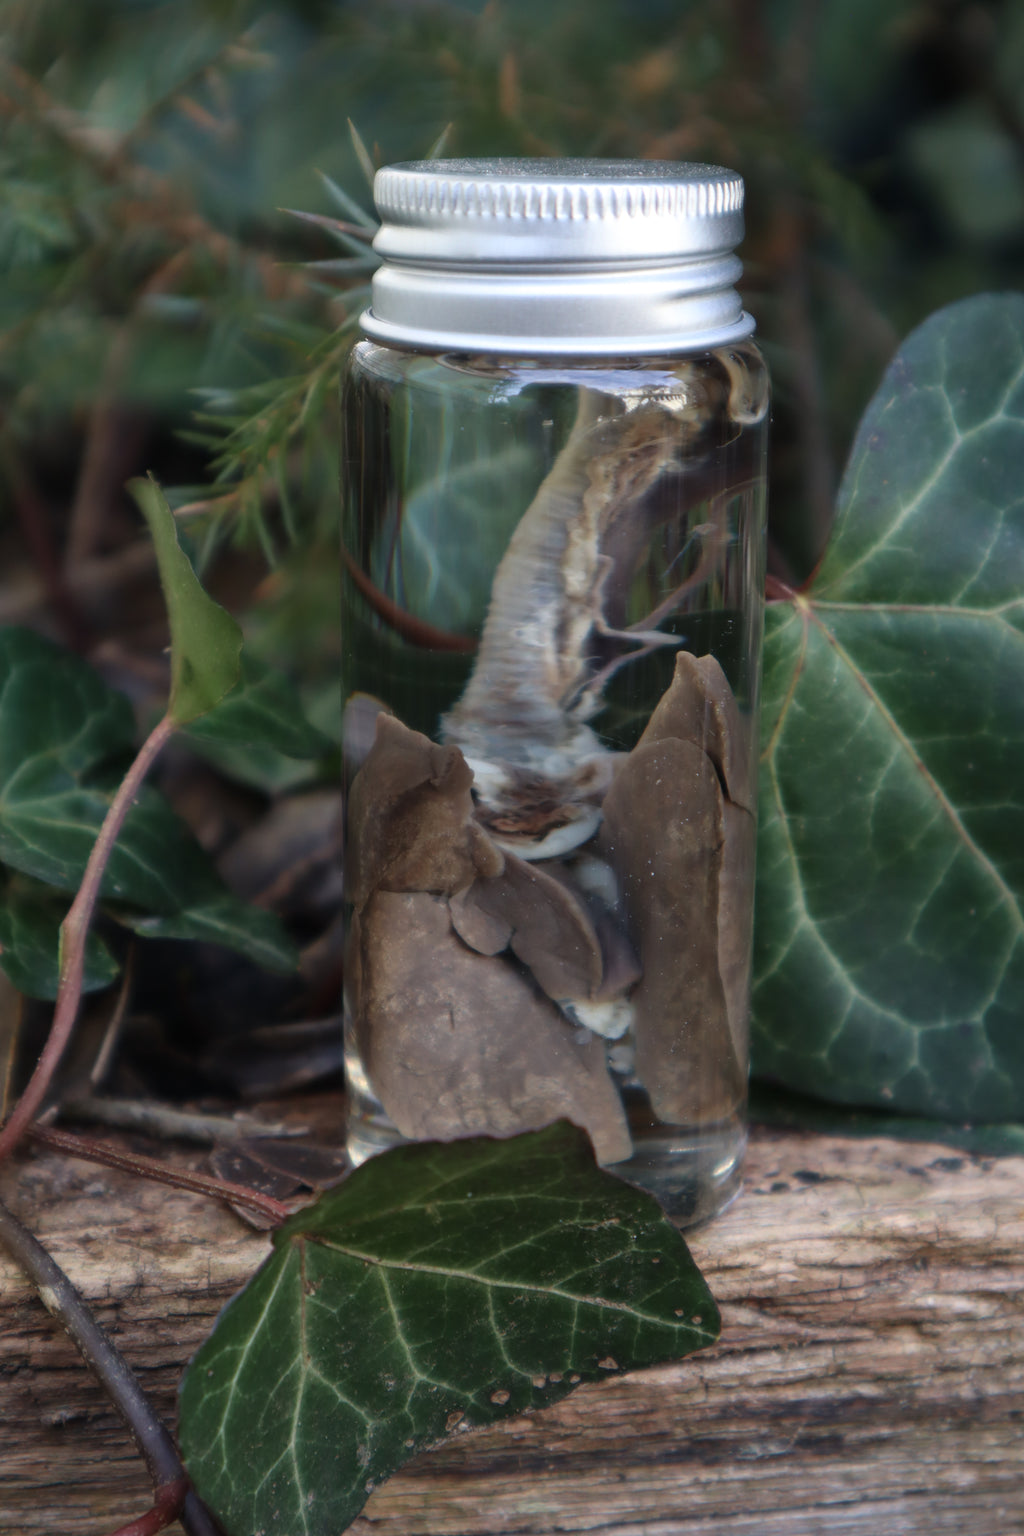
(942, 800)
(447, 1272)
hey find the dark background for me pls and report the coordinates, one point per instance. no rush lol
(149, 150)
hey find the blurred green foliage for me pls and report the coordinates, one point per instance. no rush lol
(150, 148)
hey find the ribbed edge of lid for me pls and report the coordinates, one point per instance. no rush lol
(556, 190)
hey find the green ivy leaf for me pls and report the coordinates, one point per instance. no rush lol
(30, 919)
(206, 643)
(439, 1284)
(448, 551)
(57, 716)
(795, 1111)
(64, 735)
(215, 916)
(890, 933)
(62, 731)
(259, 733)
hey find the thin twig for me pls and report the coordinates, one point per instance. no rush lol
(235, 50)
(97, 577)
(63, 1302)
(164, 1122)
(34, 517)
(162, 1173)
(73, 933)
(102, 152)
(101, 468)
(12, 1018)
(111, 1034)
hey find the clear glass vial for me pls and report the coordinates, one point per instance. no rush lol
(553, 542)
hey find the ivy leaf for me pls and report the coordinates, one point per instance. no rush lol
(30, 920)
(63, 733)
(258, 733)
(438, 1285)
(64, 736)
(56, 714)
(448, 552)
(206, 642)
(890, 934)
(795, 1111)
(214, 916)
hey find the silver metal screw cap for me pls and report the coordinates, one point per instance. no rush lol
(578, 258)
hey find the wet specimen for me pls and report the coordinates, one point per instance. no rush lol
(549, 920)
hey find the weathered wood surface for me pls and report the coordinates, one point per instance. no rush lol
(869, 1381)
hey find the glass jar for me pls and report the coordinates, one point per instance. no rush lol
(553, 550)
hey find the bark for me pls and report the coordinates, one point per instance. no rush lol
(869, 1382)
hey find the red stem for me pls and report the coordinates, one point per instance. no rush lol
(73, 933)
(153, 1168)
(170, 1500)
(778, 591)
(416, 631)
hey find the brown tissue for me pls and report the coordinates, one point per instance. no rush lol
(541, 920)
(410, 819)
(681, 850)
(459, 1037)
(457, 1044)
(699, 706)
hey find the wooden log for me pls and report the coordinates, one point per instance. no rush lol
(869, 1380)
